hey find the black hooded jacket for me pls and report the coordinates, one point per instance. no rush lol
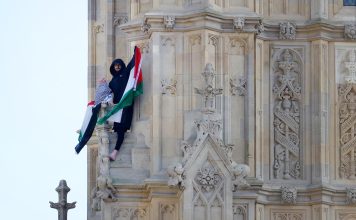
(117, 86)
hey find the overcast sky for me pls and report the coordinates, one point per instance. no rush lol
(43, 93)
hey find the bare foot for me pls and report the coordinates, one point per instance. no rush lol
(113, 155)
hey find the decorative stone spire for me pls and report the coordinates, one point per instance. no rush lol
(62, 206)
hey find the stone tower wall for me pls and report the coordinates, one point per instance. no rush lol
(287, 70)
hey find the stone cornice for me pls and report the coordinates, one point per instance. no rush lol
(306, 30)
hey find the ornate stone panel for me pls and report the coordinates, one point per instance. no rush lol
(240, 211)
(208, 192)
(168, 67)
(235, 68)
(287, 216)
(287, 70)
(168, 211)
(347, 116)
(129, 213)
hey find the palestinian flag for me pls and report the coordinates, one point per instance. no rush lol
(90, 118)
(134, 86)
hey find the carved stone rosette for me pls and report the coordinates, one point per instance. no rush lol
(287, 93)
(351, 196)
(287, 30)
(347, 120)
(289, 194)
(208, 178)
(350, 31)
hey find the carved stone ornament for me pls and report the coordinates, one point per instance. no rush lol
(120, 19)
(287, 30)
(176, 176)
(287, 92)
(351, 67)
(209, 92)
(168, 208)
(145, 28)
(129, 213)
(240, 172)
(350, 31)
(169, 87)
(98, 28)
(208, 178)
(289, 194)
(240, 209)
(238, 88)
(239, 23)
(169, 21)
(104, 190)
(351, 196)
(259, 28)
(347, 120)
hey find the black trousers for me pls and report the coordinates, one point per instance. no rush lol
(120, 135)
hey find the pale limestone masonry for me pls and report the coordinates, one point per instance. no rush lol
(248, 111)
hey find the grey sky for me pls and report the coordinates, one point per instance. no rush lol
(43, 91)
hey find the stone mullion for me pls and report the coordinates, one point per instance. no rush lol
(319, 110)
(249, 104)
(259, 109)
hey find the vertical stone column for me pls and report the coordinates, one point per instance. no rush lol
(319, 9)
(320, 106)
(260, 112)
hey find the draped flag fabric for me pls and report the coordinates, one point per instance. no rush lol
(90, 118)
(134, 88)
(102, 94)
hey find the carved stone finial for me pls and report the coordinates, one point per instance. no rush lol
(239, 23)
(120, 19)
(169, 87)
(350, 31)
(289, 194)
(176, 176)
(62, 206)
(209, 92)
(238, 88)
(351, 196)
(240, 172)
(169, 22)
(287, 30)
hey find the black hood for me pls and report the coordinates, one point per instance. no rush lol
(121, 63)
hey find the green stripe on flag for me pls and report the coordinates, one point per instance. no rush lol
(125, 101)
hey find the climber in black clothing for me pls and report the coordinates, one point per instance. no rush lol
(120, 74)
